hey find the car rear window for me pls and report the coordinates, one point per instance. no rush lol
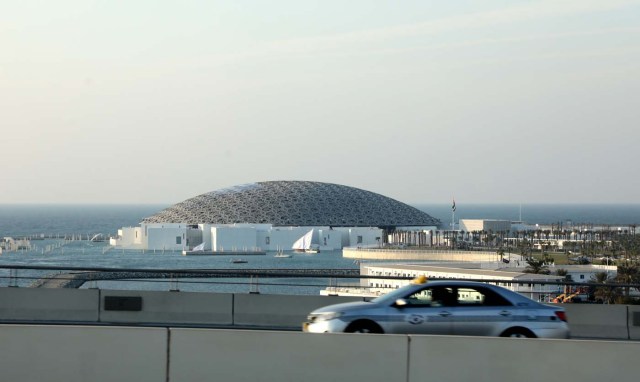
(480, 296)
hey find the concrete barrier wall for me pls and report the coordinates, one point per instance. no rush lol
(597, 321)
(172, 308)
(279, 310)
(97, 354)
(634, 322)
(82, 353)
(28, 304)
(221, 355)
(480, 359)
(261, 310)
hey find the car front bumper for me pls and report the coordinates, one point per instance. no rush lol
(325, 326)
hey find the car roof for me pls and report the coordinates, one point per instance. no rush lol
(456, 282)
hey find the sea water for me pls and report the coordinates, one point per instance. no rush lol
(544, 214)
(88, 220)
(22, 219)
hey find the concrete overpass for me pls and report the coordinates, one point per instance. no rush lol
(105, 335)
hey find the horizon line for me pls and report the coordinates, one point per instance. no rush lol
(409, 203)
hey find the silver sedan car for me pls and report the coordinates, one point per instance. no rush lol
(444, 307)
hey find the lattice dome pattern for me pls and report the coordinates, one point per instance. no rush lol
(294, 203)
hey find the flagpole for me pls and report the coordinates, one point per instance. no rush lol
(453, 214)
(453, 219)
(453, 223)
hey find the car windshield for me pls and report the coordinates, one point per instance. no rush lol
(396, 294)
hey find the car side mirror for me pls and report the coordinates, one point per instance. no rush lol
(401, 303)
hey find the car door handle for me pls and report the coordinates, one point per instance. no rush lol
(505, 313)
(444, 314)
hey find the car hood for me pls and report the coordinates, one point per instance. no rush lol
(345, 307)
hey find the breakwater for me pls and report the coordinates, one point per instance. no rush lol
(65, 236)
(77, 279)
(419, 254)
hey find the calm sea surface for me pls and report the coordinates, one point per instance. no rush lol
(16, 220)
(613, 214)
(19, 220)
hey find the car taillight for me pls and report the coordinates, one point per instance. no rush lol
(561, 315)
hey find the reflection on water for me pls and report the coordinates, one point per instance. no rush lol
(101, 255)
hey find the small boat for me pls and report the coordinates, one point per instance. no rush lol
(280, 253)
(238, 261)
(97, 238)
(303, 244)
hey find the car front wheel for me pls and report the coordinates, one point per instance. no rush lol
(363, 327)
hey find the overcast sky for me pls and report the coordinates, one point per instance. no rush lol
(158, 101)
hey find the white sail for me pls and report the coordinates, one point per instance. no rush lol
(304, 242)
(199, 247)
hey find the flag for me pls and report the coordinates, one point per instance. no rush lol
(199, 247)
(453, 207)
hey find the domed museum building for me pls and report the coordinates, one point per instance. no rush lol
(275, 215)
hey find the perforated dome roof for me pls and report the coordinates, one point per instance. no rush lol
(294, 203)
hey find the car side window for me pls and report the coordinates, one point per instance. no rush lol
(432, 296)
(480, 297)
(420, 298)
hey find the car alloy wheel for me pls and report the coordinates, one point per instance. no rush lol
(518, 333)
(363, 327)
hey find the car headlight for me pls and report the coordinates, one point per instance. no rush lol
(327, 316)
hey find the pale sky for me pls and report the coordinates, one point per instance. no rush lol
(158, 101)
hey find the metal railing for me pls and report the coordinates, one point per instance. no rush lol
(284, 281)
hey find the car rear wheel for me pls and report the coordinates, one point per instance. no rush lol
(518, 333)
(363, 327)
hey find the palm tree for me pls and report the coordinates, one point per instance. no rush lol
(606, 294)
(536, 266)
(628, 273)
